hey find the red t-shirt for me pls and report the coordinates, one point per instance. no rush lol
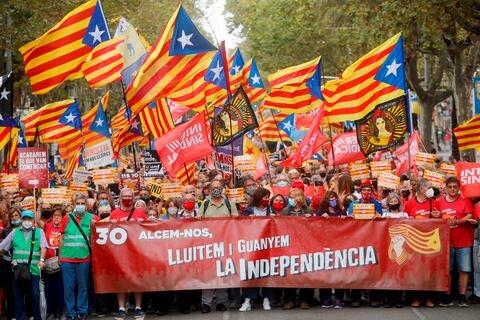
(420, 210)
(52, 234)
(119, 214)
(461, 236)
(476, 211)
(62, 230)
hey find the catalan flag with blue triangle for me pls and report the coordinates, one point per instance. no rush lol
(58, 54)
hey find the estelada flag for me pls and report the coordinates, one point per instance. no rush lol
(186, 143)
(383, 127)
(345, 149)
(468, 173)
(467, 134)
(235, 119)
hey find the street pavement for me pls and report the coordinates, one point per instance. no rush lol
(364, 313)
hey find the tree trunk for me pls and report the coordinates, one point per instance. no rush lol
(425, 122)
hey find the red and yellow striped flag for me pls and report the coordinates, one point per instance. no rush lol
(468, 134)
(119, 120)
(186, 176)
(290, 91)
(269, 131)
(358, 91)
(58, 54)
(180, 56)
(104, 64)
(157, 120)
(47, 121)
(7, 134)
(124, 137)
(73, 163)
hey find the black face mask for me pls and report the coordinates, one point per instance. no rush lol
(394, 207)
(46, 214)
(323, 174)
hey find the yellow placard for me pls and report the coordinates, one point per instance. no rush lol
(388, 180)
(380, 166)
(363, 210)
(236, 195)
(436, 178)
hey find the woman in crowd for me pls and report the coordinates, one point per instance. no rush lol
(331, 207)
(173, 206)
(12, 220)
(259, 206)
(343, 186)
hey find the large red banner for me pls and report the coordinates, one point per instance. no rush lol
(282, 251)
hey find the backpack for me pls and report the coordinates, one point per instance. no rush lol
(227, 203)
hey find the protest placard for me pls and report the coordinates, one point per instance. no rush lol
(363, 210)
(380, 166)
(171, 190)
(9, 182)
(448, 168)
(105, 176)
(81, 175)
(436, 178)
(388, 180)
(55, 196)
(78, 187)
(236, 195)
(130, 180)
(425, 159)
(98, 155)
(33, 168)
(152, 165)
(359, 171)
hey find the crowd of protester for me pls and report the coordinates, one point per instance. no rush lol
(60, 255)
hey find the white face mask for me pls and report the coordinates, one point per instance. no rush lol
(172, 210)
(27, 224)
(430, 193)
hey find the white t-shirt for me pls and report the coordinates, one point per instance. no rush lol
(259, 213)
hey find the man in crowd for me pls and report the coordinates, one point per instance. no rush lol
(75, 258)
(217, 206)
(458, 211)
(29, 247)
(366, 191)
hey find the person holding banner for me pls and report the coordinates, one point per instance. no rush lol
(458, 211)
(29, 247)
(126, 212)
(258, 207)
(75, 258)
(217, 206)
(422, 206)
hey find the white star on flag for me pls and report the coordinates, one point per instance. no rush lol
(99, 122)
(256, 79)
(185, 39)
(4, 94)
(20, 139)
(236, 69)
(97, 34)
(70, 117)
(287, 126)
(217, 70)
(135, 124)
(1, 117)
(392, 68)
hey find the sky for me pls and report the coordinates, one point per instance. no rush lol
(215, 24)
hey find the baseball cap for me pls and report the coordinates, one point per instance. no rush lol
(27, 213)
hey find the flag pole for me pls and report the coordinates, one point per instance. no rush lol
(129, 118)
(188, 176)
(265, 155)
(229, 94)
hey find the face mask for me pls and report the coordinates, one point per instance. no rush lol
(145, 199)
(394, 207)
(292, 202)
(46, 214)
(323, 174)
(430, 193)
(80, 208)
(151, 218)
(264, 202)
(332, 203)
(189, 205)
(282, 183)
(127, 202)
(172, 211)
(216, 193)
(15, 223)
(27, 224)
(308, 175)
(278, 206)
(366, 195)
(250, 190)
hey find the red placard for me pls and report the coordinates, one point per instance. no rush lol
(271, 252)
(468, 173)
(33, 168)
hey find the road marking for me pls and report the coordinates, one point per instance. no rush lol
(419, 314)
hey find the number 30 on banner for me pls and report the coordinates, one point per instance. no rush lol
(116, 236)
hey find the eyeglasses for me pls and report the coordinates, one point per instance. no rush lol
(452, 186)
